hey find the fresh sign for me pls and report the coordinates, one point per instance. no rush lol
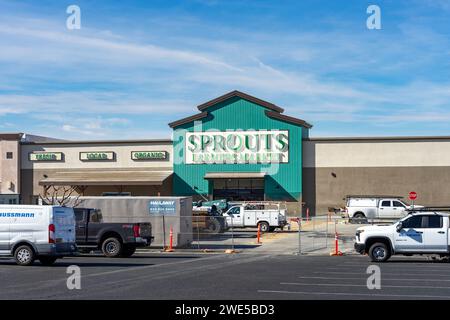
(265, 146)
(45, 156)
(96, 156)
(149, 155)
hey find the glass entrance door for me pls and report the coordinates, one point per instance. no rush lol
(239, 189)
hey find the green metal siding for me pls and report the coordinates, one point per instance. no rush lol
(283, 181)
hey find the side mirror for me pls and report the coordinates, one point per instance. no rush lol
(399, 226)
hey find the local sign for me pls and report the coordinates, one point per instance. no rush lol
(230, 147)
(45, 156)
(97, 156)
(412, 195)
(149, 155)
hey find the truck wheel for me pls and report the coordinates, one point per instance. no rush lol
(264, 227)
(112, 247)
(379, 252)
(24, 255)
(47, 261)
(128, 251)
(214, 226)
(359, 218)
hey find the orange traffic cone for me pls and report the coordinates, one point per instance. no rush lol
(170, 249)
(336, 246)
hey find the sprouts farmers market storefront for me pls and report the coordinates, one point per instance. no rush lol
(237, 147)
(240, 148)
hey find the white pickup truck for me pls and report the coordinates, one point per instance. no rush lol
(360, 208)
(421, 232)
(267, 216)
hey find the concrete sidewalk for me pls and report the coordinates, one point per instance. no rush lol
(316, 238)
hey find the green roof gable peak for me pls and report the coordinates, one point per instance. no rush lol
(273, 111)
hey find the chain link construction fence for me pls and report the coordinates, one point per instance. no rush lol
(332, 233)
(314, 235)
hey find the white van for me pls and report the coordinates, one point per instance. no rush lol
(37, 232)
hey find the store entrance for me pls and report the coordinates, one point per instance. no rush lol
(238, 189)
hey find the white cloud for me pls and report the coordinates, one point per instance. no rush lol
(318, 76)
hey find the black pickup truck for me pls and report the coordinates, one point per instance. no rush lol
(113, 239)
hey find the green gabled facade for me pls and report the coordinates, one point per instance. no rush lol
(239, 112)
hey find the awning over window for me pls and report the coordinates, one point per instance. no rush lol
(234, 175)
(109, 177)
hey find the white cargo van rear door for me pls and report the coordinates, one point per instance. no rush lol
(5, 222)
(64, 221)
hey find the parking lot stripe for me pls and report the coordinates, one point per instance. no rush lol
(355, 294)
(383, 268)
(387, 272)
(150, 266)
(384, 278)
(357, 285)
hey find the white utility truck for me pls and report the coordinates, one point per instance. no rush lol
(267, 215)
(423, 231)
(37, 232)
(361, 208)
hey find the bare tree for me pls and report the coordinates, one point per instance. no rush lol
(61, 195)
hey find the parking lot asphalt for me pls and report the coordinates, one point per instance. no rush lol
(218, 276)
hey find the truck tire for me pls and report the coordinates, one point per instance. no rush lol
(24, 255)
(214, 226)
(47, 261)
(359, 218)
(112, 247)
(128, 251)
(264, 226)
(379, 252)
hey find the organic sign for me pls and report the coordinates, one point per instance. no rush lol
(45, 156)
(96, 156)
(265, 146)
(162, 207)
(149, 155)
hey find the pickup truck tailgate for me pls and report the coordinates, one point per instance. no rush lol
(145, 230)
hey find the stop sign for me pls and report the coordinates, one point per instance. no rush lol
(412, 195)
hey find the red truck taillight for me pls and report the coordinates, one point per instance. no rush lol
(51, 233)
(136, 231)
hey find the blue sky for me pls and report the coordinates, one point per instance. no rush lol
(135, 66)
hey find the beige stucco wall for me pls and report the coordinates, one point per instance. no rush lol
(401, 153)
(9, 168)
(72, 158)
(333, 169)
(34, 171)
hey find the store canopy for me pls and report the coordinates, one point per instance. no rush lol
(234, 175)
(110, 177)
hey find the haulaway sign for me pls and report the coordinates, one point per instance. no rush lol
(231, 147)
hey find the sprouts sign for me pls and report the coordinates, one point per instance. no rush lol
(231, 147)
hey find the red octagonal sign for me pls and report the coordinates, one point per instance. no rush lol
(412, 195)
